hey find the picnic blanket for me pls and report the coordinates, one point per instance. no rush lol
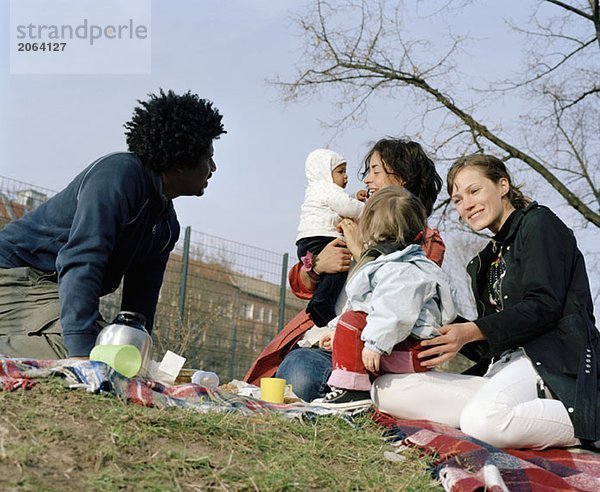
(97, 377)
(463, 463)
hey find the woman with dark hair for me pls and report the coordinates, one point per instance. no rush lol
(294, 354)
(535, 340)
(406, 163)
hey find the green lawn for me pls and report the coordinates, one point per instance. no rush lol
(53, 438)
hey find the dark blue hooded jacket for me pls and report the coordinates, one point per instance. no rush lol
(111, 223)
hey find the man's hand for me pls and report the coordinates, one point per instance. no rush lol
(446, 346)
(371, 360)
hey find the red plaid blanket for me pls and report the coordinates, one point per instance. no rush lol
(97, 377)
(464, 464)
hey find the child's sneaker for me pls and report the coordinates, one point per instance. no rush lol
(343, 398)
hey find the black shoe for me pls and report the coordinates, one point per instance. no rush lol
(346, 399)
(591, 445)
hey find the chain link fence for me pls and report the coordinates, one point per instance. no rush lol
(17, 198)
(221, 301)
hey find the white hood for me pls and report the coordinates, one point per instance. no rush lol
(320, 163)
(325, 203)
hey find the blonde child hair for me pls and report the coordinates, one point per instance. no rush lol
(392, 215)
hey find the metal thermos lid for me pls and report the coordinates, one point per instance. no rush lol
(131, 318)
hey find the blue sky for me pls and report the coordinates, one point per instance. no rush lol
(224, 50)
(52, 126)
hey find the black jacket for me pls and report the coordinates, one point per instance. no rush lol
(547, 310)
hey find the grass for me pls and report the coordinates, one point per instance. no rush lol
(53, 438)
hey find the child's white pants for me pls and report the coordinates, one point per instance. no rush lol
(501, 408)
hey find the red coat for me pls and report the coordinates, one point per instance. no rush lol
(266, 364)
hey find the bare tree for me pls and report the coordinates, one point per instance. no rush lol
(362, 49)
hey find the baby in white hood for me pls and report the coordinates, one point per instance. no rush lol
(325, 204)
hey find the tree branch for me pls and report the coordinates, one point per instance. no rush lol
(376, 58)
(572, 9)
(593, 90)
(388, 74)
(557, 65)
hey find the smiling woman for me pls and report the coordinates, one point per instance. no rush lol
(535, 342)
(479, 196)
(402, 162)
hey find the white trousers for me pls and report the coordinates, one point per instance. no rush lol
(500, 408)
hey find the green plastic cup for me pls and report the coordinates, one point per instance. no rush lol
(125, 359)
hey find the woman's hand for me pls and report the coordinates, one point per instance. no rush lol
(326, 341)
(445, 346)
(371, 360)
(334, 258)
(349, 228)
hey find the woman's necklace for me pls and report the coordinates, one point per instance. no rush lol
(495, 275)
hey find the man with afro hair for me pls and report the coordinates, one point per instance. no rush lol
(113, 223)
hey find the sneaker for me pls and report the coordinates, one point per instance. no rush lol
(343, 398)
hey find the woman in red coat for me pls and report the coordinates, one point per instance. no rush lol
(293, 353)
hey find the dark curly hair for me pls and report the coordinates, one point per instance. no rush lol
(408, 161)
(171, 130)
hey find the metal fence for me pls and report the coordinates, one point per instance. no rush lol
(221, 301)
(16, 198)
